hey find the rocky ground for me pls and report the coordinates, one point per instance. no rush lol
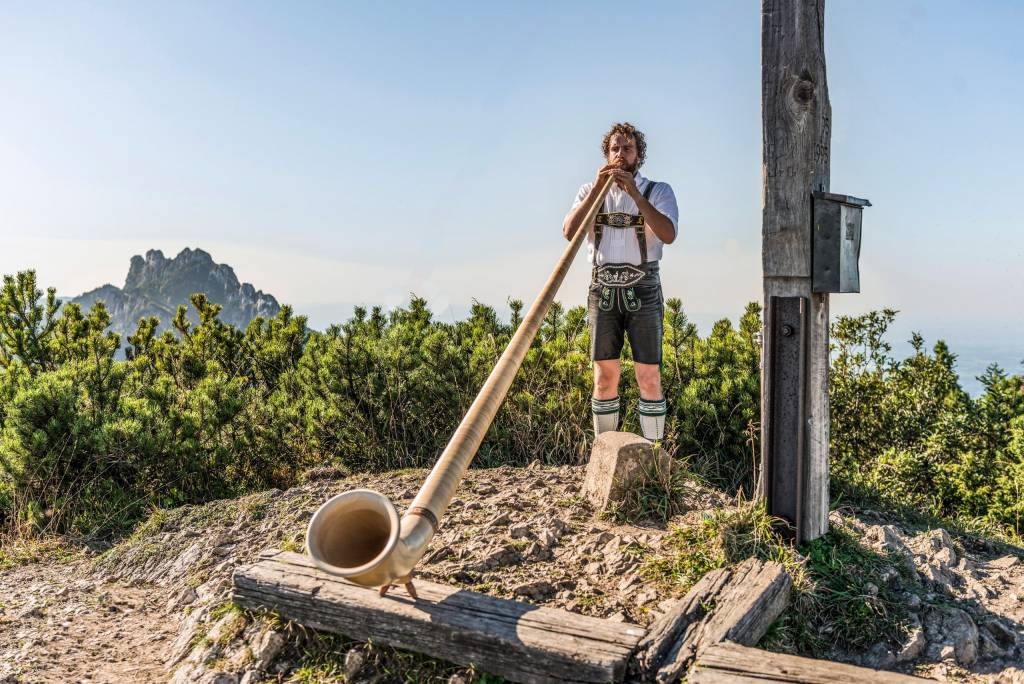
(156, 607)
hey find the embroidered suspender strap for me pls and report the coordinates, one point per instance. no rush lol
(641, 234)
(599, 227)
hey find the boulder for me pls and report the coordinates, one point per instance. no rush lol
(954, 632)
(619, 461)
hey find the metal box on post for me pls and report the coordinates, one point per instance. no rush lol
(835, 238)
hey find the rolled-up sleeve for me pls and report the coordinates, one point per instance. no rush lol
(580, 196)
(664, 200)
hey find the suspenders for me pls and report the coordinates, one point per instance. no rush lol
(636, 221)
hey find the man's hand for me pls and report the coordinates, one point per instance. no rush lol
(602, 175)
(625, 180)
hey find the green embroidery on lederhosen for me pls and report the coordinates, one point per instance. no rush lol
(630, 301)
(627, 298)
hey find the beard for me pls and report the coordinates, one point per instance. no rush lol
(631, 168)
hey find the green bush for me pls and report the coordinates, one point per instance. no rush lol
(198, 412)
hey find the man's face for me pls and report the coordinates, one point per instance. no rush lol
(622, 152)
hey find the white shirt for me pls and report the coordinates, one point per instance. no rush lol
(619, 245)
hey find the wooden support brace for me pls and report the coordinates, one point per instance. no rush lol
(736, 603)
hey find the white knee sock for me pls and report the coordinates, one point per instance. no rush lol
(652, 418)
(606, 414)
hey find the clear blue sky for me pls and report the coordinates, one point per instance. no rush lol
(353, 152)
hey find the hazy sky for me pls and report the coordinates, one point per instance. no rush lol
(335, 153)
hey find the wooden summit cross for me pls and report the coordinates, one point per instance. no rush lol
(796, 126)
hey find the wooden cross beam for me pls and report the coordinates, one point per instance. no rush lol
(705, 637)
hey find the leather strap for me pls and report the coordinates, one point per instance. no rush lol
(641, 231)
(641, 235)
(425, 513)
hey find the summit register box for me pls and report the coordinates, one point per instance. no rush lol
(835, 238)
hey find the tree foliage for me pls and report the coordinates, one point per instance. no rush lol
(89, 442)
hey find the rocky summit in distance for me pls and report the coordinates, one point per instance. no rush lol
(156, 285)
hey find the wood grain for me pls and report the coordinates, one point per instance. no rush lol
(755, 593)
(729, 663)
(796, 144)
(517, 640)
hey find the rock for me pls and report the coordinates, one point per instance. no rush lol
(1003, 563)
(539, 590)
(249, 677)
(548, 538)
(502, 518)
(988, 647)
(218, 678)
(355, 660)
(1011, 675)
(946, 626)
(915, 643)
(460, 678)
(879, 657)
(1003, 634)
(186, 561)
(30, 611)
(935, 544)
(537, 552)
(498, 557)
(186, 597)
(519, 530)
(619, 461)
(630, 580)
(265, 648)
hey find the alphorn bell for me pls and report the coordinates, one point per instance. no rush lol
(358, 535)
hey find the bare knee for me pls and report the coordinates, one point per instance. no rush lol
(606, 379)
(648, 379)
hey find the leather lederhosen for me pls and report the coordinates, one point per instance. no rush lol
(617, 280)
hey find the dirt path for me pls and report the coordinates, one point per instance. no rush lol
(59, 625)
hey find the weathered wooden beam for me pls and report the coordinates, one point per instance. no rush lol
(737, 603)
(519, 641)
(663, 633)
(729, 663)
(796, 139)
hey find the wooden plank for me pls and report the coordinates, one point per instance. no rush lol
(664, 632)
(517, 640)
(756, 594)
(796, 132)
(729, 663)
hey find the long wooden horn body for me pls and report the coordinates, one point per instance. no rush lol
(358, 535)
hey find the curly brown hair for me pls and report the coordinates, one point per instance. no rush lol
(626, 128)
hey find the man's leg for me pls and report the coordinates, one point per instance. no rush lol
(605, 403)
(645, 335)
(606, 337)
(652, 407)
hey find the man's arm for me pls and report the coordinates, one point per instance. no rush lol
(575, 217)
(661, 225)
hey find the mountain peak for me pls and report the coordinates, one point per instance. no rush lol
(156, 285)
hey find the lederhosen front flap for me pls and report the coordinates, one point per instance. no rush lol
(619, 278)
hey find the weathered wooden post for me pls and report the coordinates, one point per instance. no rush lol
(796, 120)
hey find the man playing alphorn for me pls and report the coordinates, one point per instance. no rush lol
(624, 245)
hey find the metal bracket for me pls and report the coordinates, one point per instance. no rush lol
(785, 359)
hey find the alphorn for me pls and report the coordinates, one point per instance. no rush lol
(357, 534)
